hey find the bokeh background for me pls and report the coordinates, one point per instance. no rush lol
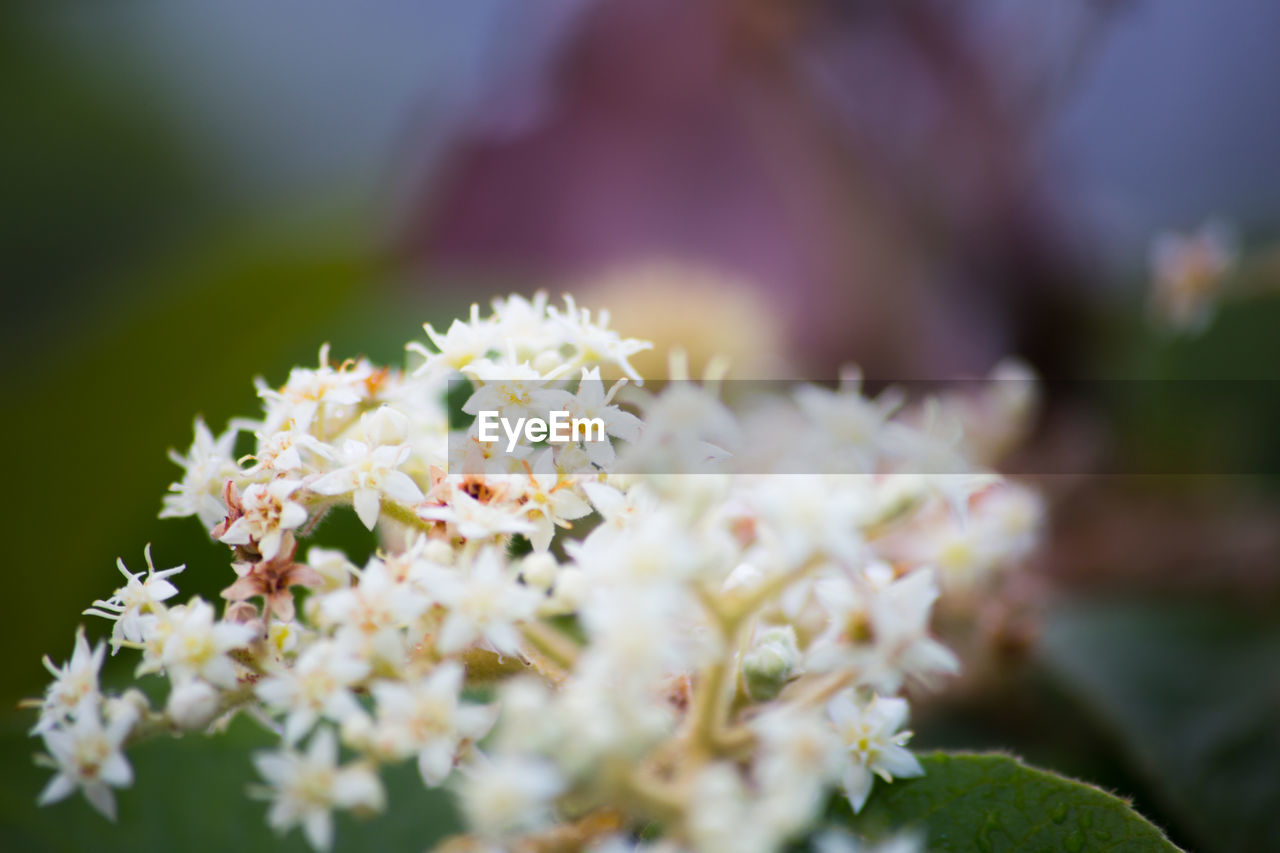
(195, 194)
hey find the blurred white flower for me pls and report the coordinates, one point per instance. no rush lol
(88, 757)
(318, 684)
(205, 468)
(1189, 272)
(484, 602)
(427, 720)
(305, 788)
(195, 645)
(74, 683)
(508, 795)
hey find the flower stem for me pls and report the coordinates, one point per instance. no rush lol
(402, 514)
(552, 644)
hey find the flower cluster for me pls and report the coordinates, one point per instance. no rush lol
(579, 640)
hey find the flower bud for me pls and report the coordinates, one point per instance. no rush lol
(359, 732)
(192, 704)
(385, 426)
(539, 570)
(744, 576)
(332, 565)
(571, 589)
(132, 705)
(438, 551)
(770, 663)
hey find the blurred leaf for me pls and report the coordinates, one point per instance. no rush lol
(95, 175)
(1197, 403)
(92, 417)
(992, 802)
(189, 794)
(1193, 694)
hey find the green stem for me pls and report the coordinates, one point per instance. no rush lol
(404, 515)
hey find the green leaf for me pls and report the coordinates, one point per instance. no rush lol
(1192, 693)
(993, 802)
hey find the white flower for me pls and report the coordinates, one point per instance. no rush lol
(551, 501)
(620, 509)
(195, 645)
(594, 341)
(385, 426)
(641, 631)
(1188, 273)
(484, 603)
(378, 603)
(524, 325)
(880, 629)
(568, 594)
(873, 743)
(473, 519)
(306, 788)
(722, 816)
(268, 514)
(88, 756)
(462, 344)
(591, 401)
(799, 757)
(308, 391)
(509, 794)
(369, 474)
(318, 684)
(514, 390)
(1003, 526)
(900, 625)
(74, 683)
(333, 566)
(804, 517)
(539, 570)
(133, 606)
(686, 430)
(656, 550)
(852, 426)
(281, 452)
(425, 718)
(206, 467)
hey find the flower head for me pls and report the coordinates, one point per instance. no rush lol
(74, 684)
(266, 515)
(87, 755)
(426, 719)
(509, 795)
(206, 467)
(196, 645)
(136, 604)
(305, 788)
(370, 474)
(873, 742)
